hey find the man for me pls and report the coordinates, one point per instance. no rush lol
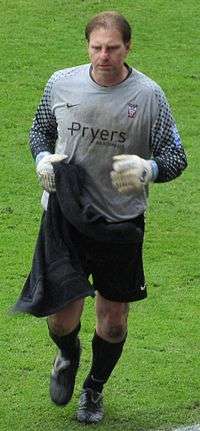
(116, 124)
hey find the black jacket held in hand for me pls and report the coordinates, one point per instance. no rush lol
(56, 276)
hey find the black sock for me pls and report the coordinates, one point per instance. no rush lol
(105, 357)
(67, 344)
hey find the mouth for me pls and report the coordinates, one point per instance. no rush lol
(104, 66)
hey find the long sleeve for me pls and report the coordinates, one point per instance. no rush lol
(43, 133)
(167, 149)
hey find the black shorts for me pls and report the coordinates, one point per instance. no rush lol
(117, 270)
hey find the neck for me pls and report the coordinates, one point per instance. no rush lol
(109, 80)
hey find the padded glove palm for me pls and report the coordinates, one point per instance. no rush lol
(131, 172)
(45, 171)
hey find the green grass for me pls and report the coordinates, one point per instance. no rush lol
(156, 383)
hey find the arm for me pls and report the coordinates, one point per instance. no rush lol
(43, 133)
(131, 173)
(167, 150)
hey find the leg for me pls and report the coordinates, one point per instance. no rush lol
(65, 321)
(108, 340)
(107, 346)
(111, 319)
(63, 330)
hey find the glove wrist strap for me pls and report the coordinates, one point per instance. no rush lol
(41, 155)
(154, 170)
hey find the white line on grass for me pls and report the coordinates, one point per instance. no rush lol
(189, 428)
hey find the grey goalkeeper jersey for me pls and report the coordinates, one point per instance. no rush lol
(91, 123)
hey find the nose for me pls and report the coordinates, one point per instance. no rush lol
(104, 54)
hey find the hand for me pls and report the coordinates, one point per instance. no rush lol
(131, 173)
(45, 171)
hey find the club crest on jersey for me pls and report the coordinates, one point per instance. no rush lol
(132, 110)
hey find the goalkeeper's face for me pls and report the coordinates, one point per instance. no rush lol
(107, 52)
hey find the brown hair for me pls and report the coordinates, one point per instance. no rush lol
(109, 20)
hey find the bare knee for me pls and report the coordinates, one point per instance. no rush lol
(114, 331)
(112, 320)
(66, 320)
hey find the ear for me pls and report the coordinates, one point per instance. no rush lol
(128, 46)
(87, 48)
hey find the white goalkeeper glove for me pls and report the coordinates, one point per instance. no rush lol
(132, 173)
(44, 169)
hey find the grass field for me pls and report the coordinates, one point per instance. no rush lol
(157, 381)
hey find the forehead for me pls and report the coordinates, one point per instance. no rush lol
(105, 36)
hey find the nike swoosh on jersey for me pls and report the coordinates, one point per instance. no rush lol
(69, 105)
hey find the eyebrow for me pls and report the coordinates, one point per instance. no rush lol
(98, 45)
